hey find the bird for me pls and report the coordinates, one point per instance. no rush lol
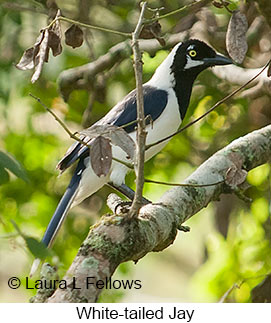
(166, 99)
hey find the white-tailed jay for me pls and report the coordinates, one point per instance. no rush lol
(166, 99)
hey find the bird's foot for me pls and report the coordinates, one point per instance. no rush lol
(122, 207)
(118, 206)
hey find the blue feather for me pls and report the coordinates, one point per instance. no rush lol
(64, 205)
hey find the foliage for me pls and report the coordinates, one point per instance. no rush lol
(8, 163)
(230, 240)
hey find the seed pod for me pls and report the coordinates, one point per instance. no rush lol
(236, 36)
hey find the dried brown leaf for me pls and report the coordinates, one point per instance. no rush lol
(152, 30)
(116, 135)
(96, 130)
(101, 156)
(26, 61)
(54, 41)
(56, 26)
(39, 39)
(236, 36)
(74, 36)
(41, 56)
(35, 56)
(149, 30)
(235, 175)
(120, 138)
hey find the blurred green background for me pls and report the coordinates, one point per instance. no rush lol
(229, 241)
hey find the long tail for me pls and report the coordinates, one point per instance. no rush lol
(61, 211)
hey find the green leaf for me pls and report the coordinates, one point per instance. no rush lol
(4, 176)
(11, 164)
(37, 248)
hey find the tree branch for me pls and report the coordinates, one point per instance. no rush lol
(239, 75)
(114, 239)
(140, 133)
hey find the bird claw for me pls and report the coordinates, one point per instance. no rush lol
(123, 207)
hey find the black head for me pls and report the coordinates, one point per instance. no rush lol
(190, 58)
(195, 56)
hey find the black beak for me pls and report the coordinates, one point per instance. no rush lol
(217, 60)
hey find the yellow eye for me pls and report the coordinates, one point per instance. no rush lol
(192, 53)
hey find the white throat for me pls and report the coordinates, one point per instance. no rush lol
(163, 78)
(192, 63)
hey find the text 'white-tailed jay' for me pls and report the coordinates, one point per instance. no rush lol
(166, 99)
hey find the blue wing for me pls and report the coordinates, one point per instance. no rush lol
(155, 101)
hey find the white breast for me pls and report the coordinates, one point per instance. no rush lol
(167, 123)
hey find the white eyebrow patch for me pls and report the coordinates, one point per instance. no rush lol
(192, 63)
(190, 47)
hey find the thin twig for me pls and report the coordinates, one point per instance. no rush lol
(81, 24)
(176, 11)
(74, 135)
(183, 185)
(235, 285)
(134, 122)
(211, 109)
(140, 133)
(226, 295)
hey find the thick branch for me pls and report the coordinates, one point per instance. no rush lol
(114, 239)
